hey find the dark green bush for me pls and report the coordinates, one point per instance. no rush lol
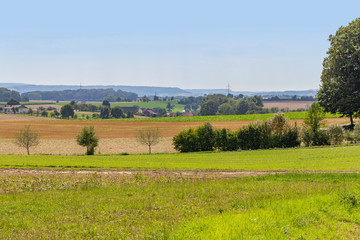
(186, 141)
(254, 136)
(206, 137)
(225, 140)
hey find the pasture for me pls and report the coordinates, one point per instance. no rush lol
(91, 206)
(303, 193)
(341, 158)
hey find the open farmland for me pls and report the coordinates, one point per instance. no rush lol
(291, 105)
(310, 193)
(139, 206)
(58, 136)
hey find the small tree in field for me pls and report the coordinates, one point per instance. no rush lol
(88, 139)
(149, 137)
(26, 138)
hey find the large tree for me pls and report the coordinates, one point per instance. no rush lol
(340, 79)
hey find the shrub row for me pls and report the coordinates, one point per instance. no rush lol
(274, 133)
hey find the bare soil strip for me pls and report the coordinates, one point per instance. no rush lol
(218, 174)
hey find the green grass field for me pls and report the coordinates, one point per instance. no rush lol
(144, 205)
(345, 158)
(290, 206)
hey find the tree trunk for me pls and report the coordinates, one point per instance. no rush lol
(28, 152)
(149, 149)
(351, 121)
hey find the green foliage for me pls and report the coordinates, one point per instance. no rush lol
(221, 104)
(225, 109)
(67, 111)
(206, 137)
(87, 138)
(105, 112)
(274, 133)
(79, 95)
(314, 117)
(335, 134)
(6, 94)
(312, 135)
(226, 140)
(13, 101)
(254, 136)
(318, 138)
(186, 141)
(117, 112)
(340, 90)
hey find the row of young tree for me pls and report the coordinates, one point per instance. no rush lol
(272, 133)
(27, 138)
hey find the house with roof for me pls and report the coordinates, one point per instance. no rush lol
(13, 109)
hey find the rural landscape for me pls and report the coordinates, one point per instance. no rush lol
(131, 159)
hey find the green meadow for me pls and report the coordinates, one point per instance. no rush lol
(288, 206)
(344, 158)
(300, 204)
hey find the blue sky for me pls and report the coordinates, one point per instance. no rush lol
(252, 45)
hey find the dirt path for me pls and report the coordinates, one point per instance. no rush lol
(218, 174)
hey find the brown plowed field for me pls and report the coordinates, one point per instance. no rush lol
(112, 129)
(58, 137)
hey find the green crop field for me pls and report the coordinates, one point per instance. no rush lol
(289, 206)
(345, 158)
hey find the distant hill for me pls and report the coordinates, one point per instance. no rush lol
(139, 90)
(79, 95)
(151, 91)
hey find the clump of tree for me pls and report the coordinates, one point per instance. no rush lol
(13, 101)
(148, 137)
(26, 138)
(87, 138)
(312, 134)
(340, 88)
(6, 94)
(67, 111)
(274, 133)
(219, 104)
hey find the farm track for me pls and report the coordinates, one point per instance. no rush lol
(217, 174)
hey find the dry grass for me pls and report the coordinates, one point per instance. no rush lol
(291, 105)
(70, 147)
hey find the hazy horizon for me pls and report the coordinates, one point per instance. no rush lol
(253, 46)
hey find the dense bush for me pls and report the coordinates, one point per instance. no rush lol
(206, 137)
(226, 140)
(259, 135)
(311, 138)
(335, 134)
(186, 141)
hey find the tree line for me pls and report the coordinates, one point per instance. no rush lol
(80, 95)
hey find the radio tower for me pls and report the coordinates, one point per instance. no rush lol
(228, 88)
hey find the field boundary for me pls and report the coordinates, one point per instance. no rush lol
(201, 173)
